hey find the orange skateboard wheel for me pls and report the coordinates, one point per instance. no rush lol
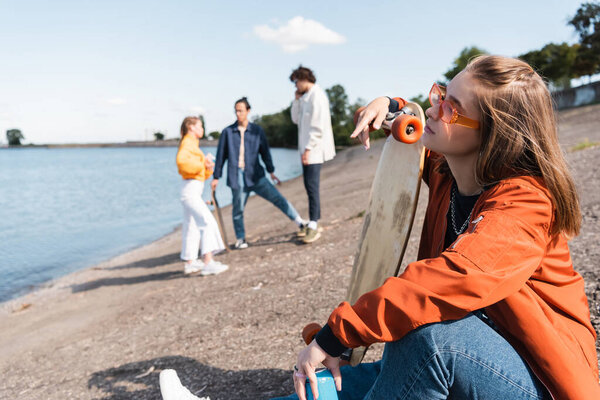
(357, 113)
(310, 331)
(407, 129)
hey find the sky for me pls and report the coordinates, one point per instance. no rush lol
(86, 71)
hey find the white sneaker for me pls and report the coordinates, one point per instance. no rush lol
(193, 267)
(213, 268)
(172, 389)
(241, 244)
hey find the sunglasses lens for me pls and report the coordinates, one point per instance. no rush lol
(447, 112)
(434, 96)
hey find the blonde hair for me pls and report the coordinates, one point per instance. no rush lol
(519, 134)
(187, 122)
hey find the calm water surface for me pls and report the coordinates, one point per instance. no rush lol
(65, 209)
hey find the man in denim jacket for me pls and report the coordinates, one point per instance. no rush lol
(241, 143)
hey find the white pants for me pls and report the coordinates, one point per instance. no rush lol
(199, 225)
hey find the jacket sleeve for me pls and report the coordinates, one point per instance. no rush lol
(491, 261)
(265, 152)
(221, 155)
(187, 162)
(295, 111)
(319, 109)
(207, 171)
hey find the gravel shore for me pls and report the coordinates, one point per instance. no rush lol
(106, 332)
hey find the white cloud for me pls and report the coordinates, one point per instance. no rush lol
(116, 101)
(298, 34)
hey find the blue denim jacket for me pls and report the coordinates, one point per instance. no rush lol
(255, 143)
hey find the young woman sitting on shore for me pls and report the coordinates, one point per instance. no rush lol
(493, 307)
(199, 225)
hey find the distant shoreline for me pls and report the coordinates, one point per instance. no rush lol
(153, 143)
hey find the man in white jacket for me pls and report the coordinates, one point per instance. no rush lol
(310, 111)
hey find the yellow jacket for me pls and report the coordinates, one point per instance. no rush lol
(190, 160)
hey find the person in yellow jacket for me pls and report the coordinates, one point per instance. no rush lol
(199, 226)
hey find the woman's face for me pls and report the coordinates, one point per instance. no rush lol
(241, 112)
(453, 140)
(197, 129)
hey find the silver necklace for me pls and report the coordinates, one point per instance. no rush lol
(453, 214)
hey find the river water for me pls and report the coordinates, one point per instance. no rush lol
(62, 210)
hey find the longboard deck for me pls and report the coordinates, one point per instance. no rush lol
(389, 218)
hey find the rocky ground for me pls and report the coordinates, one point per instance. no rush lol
(107, 332)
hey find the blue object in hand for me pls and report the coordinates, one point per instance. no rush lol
(325, 384)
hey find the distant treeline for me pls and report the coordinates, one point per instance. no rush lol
(282, 132)
(558, 63)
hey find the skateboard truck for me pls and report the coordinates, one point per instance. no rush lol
(404, 125)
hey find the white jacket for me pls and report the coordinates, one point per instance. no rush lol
(311, 113)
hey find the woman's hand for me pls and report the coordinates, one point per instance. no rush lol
(373, 114)
(208, 163)
(309, 359)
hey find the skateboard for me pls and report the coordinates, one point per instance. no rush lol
(215, 204)
(391, 209)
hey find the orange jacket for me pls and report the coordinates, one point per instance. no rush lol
(190, 160)
(507, 263)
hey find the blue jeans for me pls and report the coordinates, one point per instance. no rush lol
(464, 359)
(265, 189)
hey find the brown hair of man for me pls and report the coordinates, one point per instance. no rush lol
(244, 101)
(302, 73)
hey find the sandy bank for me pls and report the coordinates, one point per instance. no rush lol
(106, 332)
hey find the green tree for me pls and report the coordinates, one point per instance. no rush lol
(338, 104)
(279, 128)
(421, 100)
(554, 62)
(462, 60)
(14, 137)
(342, 119)
(214, 134)
(159, 136)
(586, 63)
(587, 24)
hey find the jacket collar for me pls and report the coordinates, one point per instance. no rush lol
(234, 127)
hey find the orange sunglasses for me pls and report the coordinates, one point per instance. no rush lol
(447, 112)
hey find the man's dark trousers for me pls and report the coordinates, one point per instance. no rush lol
(312, 175)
